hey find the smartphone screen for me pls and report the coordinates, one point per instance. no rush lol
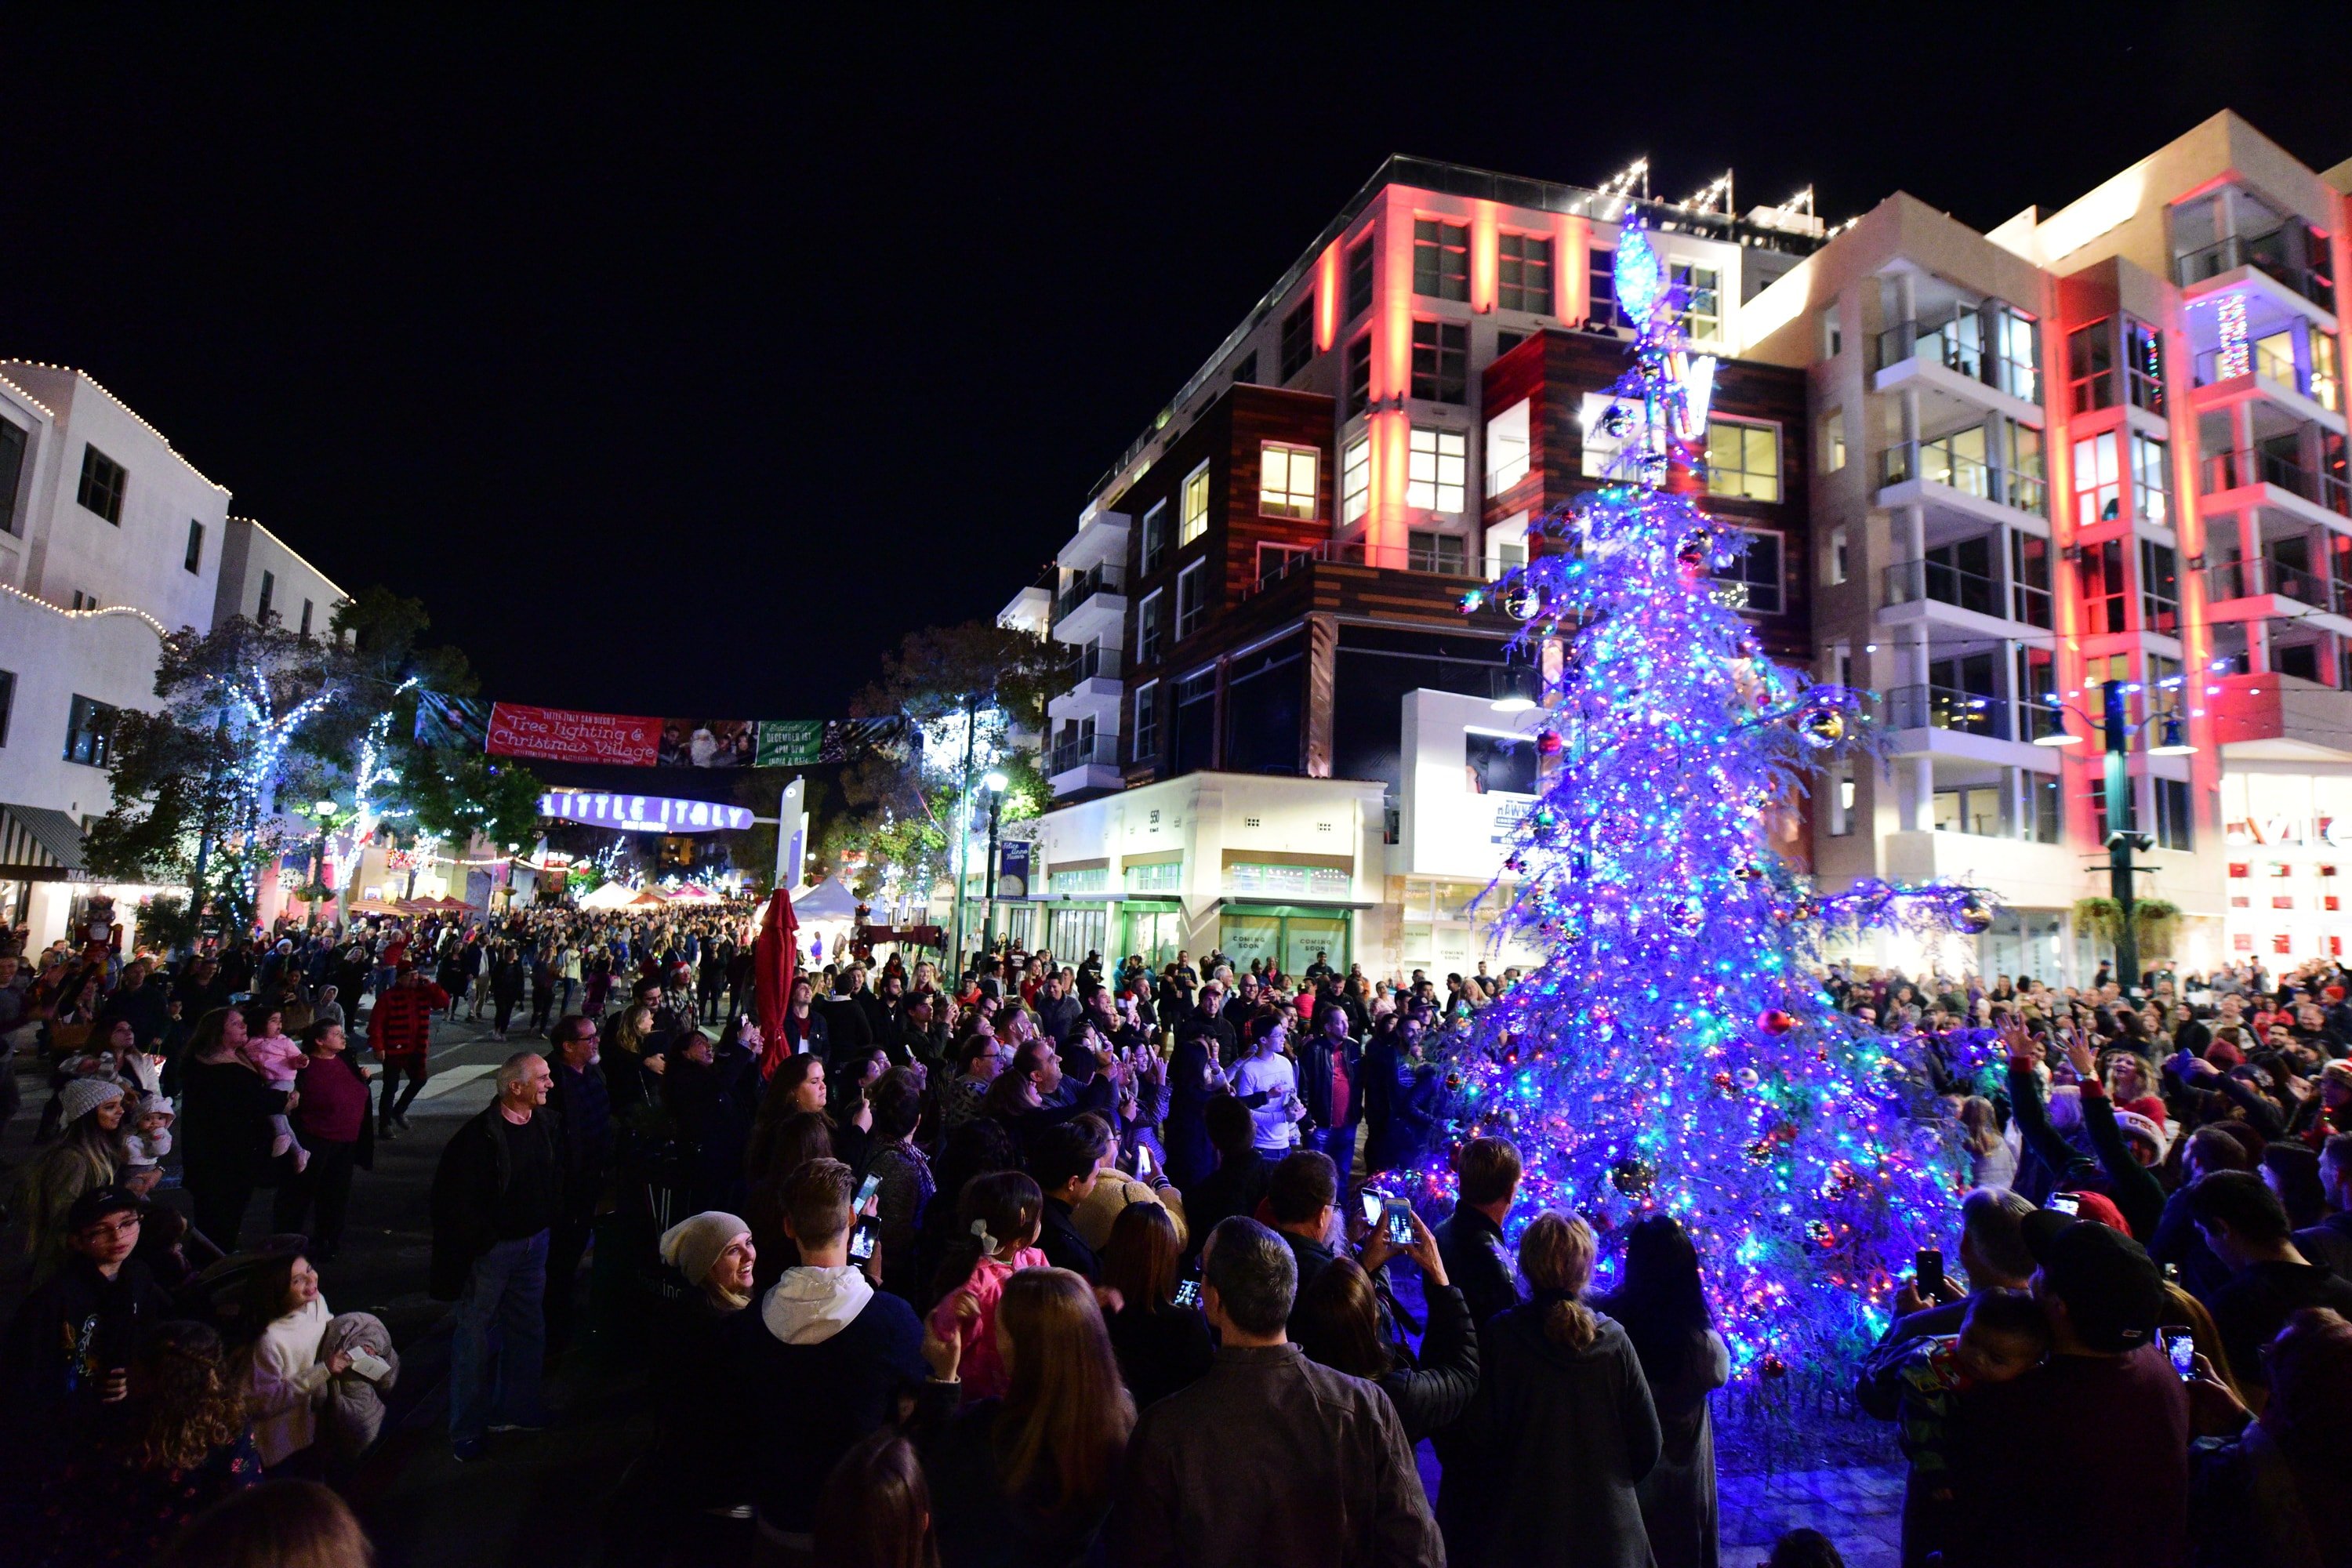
(1400, 1222)
(1930, 1270)
(2065, 1203)
(872, 1186)
(1142, 1160)
(1374, 1200)
(2180, 1350)
(1188, 1293)
(864, 1239)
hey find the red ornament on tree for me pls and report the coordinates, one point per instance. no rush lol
(1774, 1021)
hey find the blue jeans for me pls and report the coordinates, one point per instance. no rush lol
(501, 1319)
(1339, 1143)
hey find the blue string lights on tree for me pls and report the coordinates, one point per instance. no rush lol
(1675, 1053)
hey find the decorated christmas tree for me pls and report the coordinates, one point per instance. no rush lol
(1675, 1054)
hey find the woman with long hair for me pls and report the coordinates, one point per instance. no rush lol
(793, 1143)
(182, 1444)
(797, 1089)
(224, 1128)
(1562, 1430)
(283, 1319)
(1992, 1161)
(94, 1150)
(1161, 1347)
(1025, 1480)
(1336, 1322)
(876, 1509)
(1662, 1306)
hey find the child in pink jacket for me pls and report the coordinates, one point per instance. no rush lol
(1000, 1215)
(278, 1059)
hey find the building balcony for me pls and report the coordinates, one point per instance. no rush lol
(1444, 556)
(2283, 482)
(2264, 588)
(1087, 763)
(2278, 254)
(1947, 358)
(1937, 583)
(1092, 606)
(2281, 718)
(1090, 686)
(1937, 473)
(1982, 714)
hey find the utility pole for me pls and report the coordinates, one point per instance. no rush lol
(963, 827)
(994, 783)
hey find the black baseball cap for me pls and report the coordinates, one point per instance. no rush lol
(2113, 1290)
(100, 1202)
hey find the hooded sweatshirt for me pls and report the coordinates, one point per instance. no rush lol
(822, 1368)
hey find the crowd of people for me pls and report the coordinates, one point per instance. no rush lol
(1048, 1263)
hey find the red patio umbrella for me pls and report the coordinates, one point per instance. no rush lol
(772, 958)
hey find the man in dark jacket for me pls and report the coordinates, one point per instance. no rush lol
(1238, 1180)
(496, 1193)
(583, 1107)
(1067, 1160)
(70, 1342)
(1270, 1458)
(2247, 1228)
(846, 1020)
(1328, 1066)
(1470, 1239)
(1302, 1195)
(1057, 1010)
(805, 1031)
(824, 1358)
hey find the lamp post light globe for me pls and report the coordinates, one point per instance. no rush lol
(994, 783)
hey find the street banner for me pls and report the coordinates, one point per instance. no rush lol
(790, 742)
(1013, 869)
(644, 813)
(706, 743)
(564, 735)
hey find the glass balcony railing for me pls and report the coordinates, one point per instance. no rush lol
(2280, 253)
(1094, 751)
(1908, 582)
(2235, 470)
(1957, 343)
(1094, 661)
(1948, 708)
(1938, 464)
(2265, 574)
(1103, 579)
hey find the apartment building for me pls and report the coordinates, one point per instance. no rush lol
(110, 539)
(1280, 735)
(262, 579)
(2101, 445)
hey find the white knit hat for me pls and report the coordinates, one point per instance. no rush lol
(692, 1246)
(84, 1095)
(2129, 1123)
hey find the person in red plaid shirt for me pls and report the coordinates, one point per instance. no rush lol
(400, 1028)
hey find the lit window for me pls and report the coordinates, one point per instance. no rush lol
(1195, 520)
(1436, 471)
(1833, 440)
(1440, 259)
(1356, 480)
(1743, 461)
(1286, 480)
(1298, 337)
(2148, 479)
(2097, 485)
(2323, 371)
(1758, 574)
(1191, 585)
(2091, 367)
(1523, 273)
(1507, 447)
(1702, 317)
(1441, 362)
(89, 729)
(2143, 359)
(1600, 273)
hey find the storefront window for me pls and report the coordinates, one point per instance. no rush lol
(1248, 938)
(1073, 934)
(1154, 934)
(1303, 936)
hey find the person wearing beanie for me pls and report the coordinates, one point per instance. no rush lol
(93, 1152)
(2106, 1398)
(695, 1246)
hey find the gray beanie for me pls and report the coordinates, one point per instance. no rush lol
(692, 1246)
(84, 1095)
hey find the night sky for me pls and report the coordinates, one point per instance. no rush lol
(679, 367)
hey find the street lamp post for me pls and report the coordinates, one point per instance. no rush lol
(323, 814)
(2125, 841)
(995, 785)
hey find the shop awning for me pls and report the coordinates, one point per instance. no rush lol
(37, 840)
